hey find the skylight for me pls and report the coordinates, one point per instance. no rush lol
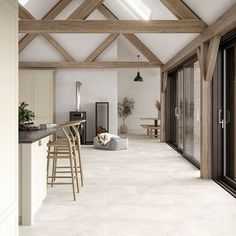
(23, 2)
(136, 8)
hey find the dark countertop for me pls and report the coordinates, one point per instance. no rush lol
(34, 136)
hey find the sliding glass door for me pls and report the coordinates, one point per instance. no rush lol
(179, 110)
(229, 114)
(192, 110)
(224, 115)
(188, 111)
(184, 110)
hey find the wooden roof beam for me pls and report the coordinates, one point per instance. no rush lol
(24, 14)
(58, 47)
(221, 26)
(181, 10)
(95, 64)
(101, 47)
(130, 37)
(48, 37)
(85, 9)
(111, 26)
(82, 12)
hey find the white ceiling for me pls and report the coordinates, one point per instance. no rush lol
(164, 46)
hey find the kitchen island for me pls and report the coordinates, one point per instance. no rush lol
(32, 172)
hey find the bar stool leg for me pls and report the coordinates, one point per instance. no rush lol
(80, 165)
(76, 169)
(72, 175)
(53, 169)
(48, 162)
(55, 164)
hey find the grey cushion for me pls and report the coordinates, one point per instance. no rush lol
(114, 144)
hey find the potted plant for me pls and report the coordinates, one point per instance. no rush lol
(25, 116)
(125, 109)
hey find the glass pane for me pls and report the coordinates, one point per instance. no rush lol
(180, 109)
(197, 111)
(188, 110)
(230, 114)
(192, 111)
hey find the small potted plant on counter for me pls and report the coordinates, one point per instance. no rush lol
(26, 117)
(125, 109)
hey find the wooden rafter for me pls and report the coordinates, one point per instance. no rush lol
(48, 37)
(164, 82)
(58, 47)
(23, 14)
(85, 9)
(212, 56)
(24, 42)
(207, 55)
(100, 64)
(130, 37)
(101, 47)
(142, 48)
(222, 25)
(111, 26)
(59, 7)
(180, 9)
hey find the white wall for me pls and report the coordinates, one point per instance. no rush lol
(144, 93)
(8, 118)
(97, 85)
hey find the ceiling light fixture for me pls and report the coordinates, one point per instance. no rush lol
(138, 77)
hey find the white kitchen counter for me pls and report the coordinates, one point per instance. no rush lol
(32, 172)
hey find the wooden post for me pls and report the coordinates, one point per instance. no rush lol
(163, 106)
(207, 56)
(206, 129)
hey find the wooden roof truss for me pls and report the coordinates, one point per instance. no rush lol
(183, 13)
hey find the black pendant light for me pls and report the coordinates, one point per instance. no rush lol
(138, 77)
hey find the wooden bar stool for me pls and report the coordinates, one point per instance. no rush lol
(76, 144)
(67, 148)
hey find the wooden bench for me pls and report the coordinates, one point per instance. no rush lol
(151, 130)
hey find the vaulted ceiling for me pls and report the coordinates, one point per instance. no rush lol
(88, 47)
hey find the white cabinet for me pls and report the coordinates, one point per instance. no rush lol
(32, 178)
(8, 118)
(36, 87)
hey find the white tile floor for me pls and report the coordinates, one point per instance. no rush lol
(148, 190)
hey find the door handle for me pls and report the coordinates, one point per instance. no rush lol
(220, 118)
(176, 113)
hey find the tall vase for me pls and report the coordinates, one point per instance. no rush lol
(123, 129)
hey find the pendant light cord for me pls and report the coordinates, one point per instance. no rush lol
(138, 61)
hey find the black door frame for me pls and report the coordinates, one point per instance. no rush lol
(218, 100)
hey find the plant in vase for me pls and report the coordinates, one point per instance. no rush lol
(25, 116)
(158, 107)
(125, 109)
